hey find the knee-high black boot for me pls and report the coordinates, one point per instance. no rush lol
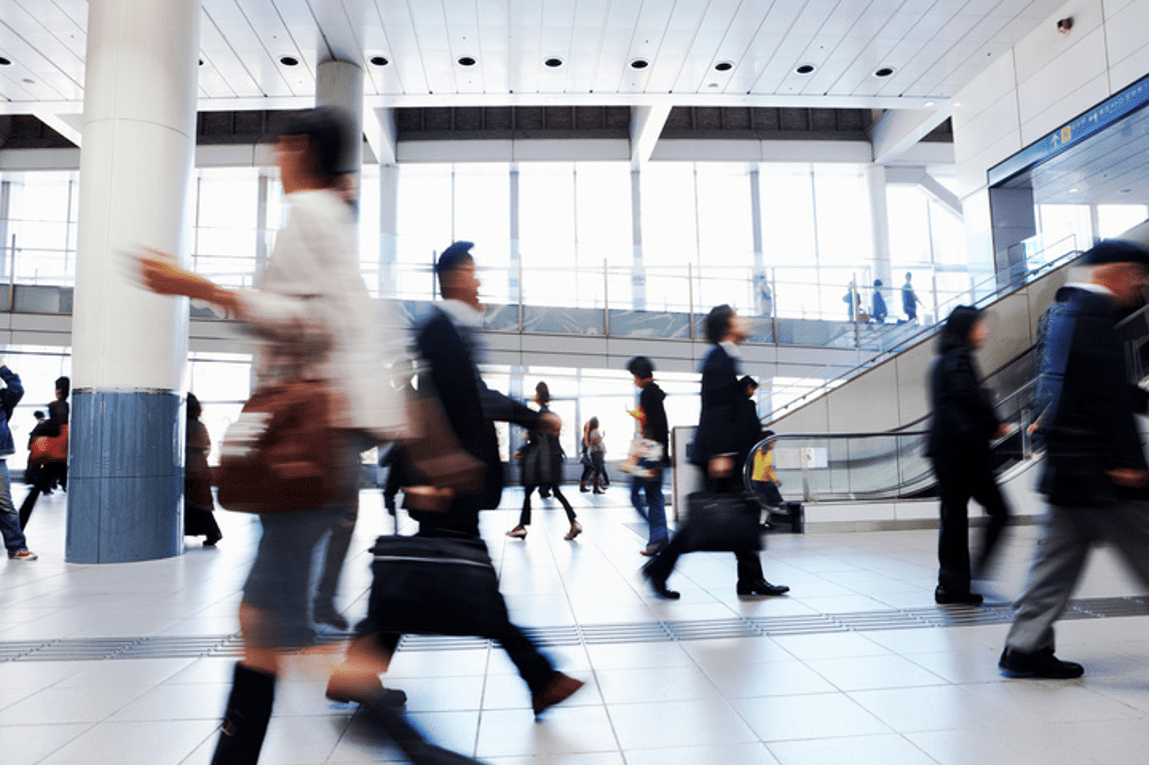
(407, 737)
(245, 721)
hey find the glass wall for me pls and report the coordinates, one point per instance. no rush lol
(563, 234)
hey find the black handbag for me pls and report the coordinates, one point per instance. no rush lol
(721, 523)
(434, 586)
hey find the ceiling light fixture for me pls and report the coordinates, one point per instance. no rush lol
(928, 104)
(289, 60)
(805, 69)
(724, 66)
(885, 71)
(379, 61)
(466, 61)
(1124, 191)
(639, 63)
(554, 62)
(5, 62)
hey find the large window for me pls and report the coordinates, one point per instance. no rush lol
(41, 230)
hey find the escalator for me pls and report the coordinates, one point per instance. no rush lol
(892, 465)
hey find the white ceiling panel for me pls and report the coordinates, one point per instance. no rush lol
(935, 46)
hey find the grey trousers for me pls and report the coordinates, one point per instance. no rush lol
(1067, 535)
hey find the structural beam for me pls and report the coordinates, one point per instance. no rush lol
(899, 129)
(645, 128)
(382, 134)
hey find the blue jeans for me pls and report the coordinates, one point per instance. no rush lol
(14, 538)
(654, 508)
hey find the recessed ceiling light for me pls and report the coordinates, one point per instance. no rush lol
(554, 62)
(5, 62)
(28, 81)
(885, 71)
(724, 66)
(379, 61)
(201, 62)
(639, 63)
(712, 84)
(289, 60)
(1124, 191)
(928, 104)
(805, 69)
(466, 61)
(1073, 190)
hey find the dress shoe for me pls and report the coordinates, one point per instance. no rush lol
(583, 488)
(212, 539)
(544, 493)
(659, 585)
(560, 688)
(762, 587)
(949, 597)
(344, 692)
(1043, 663)
(518, 532)
(576, 529)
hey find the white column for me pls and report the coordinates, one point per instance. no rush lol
(130, 346)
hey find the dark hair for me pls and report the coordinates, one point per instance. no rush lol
(64, 385)
(543, 393)
(38, 414)
(641, 367)
(958, 326)
(194, 407)
(747, 380)
(453, 257)
(325, 128)
(592, 423)
(718, 323)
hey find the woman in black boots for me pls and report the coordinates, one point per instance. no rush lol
(542, 460)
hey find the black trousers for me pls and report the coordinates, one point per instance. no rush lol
(749, 564)
(962, 477)
(525, 515)
(535, 668)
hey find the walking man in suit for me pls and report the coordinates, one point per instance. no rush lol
(1095, 473)
(727, 430)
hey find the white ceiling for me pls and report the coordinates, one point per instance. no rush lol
(933, 46)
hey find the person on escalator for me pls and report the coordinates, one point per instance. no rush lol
(963, 425)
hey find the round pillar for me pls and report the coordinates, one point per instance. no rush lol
(129, 350)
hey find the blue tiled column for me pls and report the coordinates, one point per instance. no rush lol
(129, 346)
(125, 478)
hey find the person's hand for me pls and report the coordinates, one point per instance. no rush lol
(1033, 428)
(164, 276)
(721, 466)
(517, 456)
(1128, 477)
(551, 423)
(1003, 430)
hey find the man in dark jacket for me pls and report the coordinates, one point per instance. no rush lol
(1095, 470)
(449, 348)
(652, 416)
(14, 540)
(721, 445)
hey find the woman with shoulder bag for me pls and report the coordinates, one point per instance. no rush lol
(542, 461)
(315, 315)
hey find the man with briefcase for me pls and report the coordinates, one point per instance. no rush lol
(721, 518)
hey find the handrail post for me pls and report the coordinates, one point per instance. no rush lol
(12, 277)
(690, 295)
(520, 266)
(605, 297)
(774, 303)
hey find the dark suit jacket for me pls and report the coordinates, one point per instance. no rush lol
(470, 407)
(727, 424)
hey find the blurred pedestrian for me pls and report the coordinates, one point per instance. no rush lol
(199, 505)
(647, 480)
(1094, 476)
(910, 299)
(542, 464)
(596, 447)
(315, 314)
(721, 446)
(962, 427)
(878, 311)
(14, 539)
(448, 344)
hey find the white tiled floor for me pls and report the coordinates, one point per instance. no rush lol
(925, 695)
